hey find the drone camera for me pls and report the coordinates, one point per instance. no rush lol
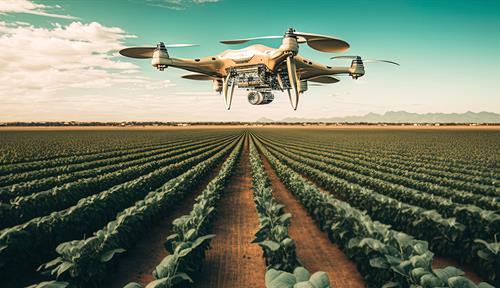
(260, 97)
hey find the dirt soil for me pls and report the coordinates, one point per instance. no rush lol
(314, 249)
(234, 262)
(138, 264)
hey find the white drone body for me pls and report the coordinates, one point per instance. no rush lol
(260, 69)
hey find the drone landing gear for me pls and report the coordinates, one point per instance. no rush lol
(228, 99)
(292, 77)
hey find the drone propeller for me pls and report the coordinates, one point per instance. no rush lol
(365, 60)
(324, 79)
(318, 42)
(147, 52)
(240, 41)
(199, 77)
(322, 43)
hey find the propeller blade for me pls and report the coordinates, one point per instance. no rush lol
(292, 77)
(199, 77)
(364, 60)
(243, 40)
(322, 43)
(344, 57)
(138, 52)
(147, 52)
(324, 79)
(380, 61)
(180, 45)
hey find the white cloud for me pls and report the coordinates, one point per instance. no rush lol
(41, 61)
(26, 6)
(177, 4)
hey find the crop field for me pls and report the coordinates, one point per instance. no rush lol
(250, 207)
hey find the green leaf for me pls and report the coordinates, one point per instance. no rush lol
(388, 285)
(166, 266)
(379, 262)
(109, 254)
(304, 284)
(50, 284)
(285, 218)
(287, 242)
(448, 272)
(50, 264)
(202, 239)
(185, 251)
(190, 234)
(460, 282)
(430, 280)
(269, 244)
(271, 274)
(320, 280)
(133, 285)
(483, 255)
(301, 274)
(484, 285)
(417, 273)
(181, 277)
(160, 283)
(63, 268)
(279, 279)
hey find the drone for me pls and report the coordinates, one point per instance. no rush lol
(260, 69)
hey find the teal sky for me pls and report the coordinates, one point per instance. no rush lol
(449, 53)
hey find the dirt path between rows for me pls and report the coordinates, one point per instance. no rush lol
(314, 249)
(234, 262)
(138, 264)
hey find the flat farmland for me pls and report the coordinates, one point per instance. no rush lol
(248, 206)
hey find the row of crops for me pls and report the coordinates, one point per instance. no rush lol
(59, 146)
(73, 203)
(85, 223)
(385, 257)
(282, 265)
(84, 262)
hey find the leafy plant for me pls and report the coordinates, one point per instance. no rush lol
(300, 278)
(272, 235)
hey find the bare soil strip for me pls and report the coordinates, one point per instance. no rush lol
(314, 249)
(233, 261)
(138, 264)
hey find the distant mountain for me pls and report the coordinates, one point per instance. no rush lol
(265, 120)
(404, 117)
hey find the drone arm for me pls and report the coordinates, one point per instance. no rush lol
(309, 69)
(306, 74)
(208, 65)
